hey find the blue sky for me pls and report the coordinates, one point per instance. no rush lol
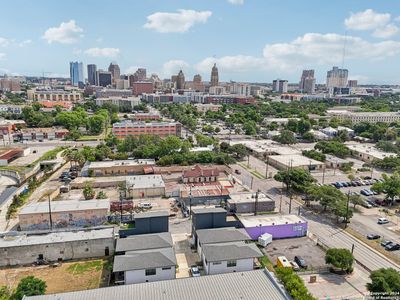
(250, 40)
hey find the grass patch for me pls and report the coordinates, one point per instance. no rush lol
(266, 263)
(251, 171)
(89, 266)
(90, 137)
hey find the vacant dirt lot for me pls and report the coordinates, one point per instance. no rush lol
(68, 277)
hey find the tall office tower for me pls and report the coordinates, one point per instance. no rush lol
(198, 85)
(76, 73)
(280, 86)
(307, 82)
(180, 82)
(104, 78)
(115, 71)
(336, 78)
(214, 76)
(140, 74)
(352, 83)
(91, 71)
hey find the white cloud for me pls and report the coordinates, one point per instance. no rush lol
(172, 67)
(102, 52)
(24, 43)
(311, 48)
(66, 33)
(180, 21)
(367, 20)
(236, 2)
(386, 32)
(2, 55)
(4, 42)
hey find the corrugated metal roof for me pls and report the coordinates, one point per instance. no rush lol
(144, 241)
(251, 285)
(230, 251)
(222, 235)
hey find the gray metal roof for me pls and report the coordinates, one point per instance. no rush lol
(64, 206)
(208, 210)
(230, 251)
(152, 214)
(144, 242)
(251, 285)
(222, 235)
(144, 181)
(144, 259)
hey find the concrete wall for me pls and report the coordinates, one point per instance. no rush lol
(82, 218)
(147, 192)
(242, 265)
(279, 231)
(139, 276)
(25, 255)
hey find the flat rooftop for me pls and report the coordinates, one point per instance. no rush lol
(145, 181)
(248, 197)
(267, 146)
(370, 150)
(294, 160)
(118, 163)
(144, 241)
(250, 285)
(19, 239)
(211, 210)
(64, 206)
(222, 235)
(230, 251)
(151, 214)
(268, 220)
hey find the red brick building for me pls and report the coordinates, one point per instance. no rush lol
(161, 129)
(142, 87)
(200, 174)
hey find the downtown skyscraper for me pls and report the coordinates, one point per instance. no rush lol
(76, 73)
(307, 82)
(92, 76)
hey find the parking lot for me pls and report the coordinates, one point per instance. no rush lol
(304, 247)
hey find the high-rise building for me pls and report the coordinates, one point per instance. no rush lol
(336, 78)
(91, 70)
(214, 76)
(307, 82)
(180, 82)
(76, 73)
(140, 74)
(115, 71)
(280, 86)
(198, 85)
(104, 78)
(352, 83)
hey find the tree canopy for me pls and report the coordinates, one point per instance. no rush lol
(29, 286)
(340, 258)
(384, 281)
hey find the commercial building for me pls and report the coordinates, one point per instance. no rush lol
(115, 71)
(352, 83)
(280, 86)
(207, 107)
(7, 155)
(229, 99)
(146, 116)
(124, 103)
(10, 84)
(242, 89)
(203, 194)
(180, 81)
(142, 87)
(291, 97)
(278, 121)
(118, 167)
(243, 203)
(54, 95)
(146, 223)
(145, 258)
(307, 82)
(71, 213)
(104, 78)
(40, 134)
(197, 83)
(200, 173)
(368, 153)
(92, 71)
(336, 78)
(11, 108)
(283, 162)
(370, 117)
(279, 226)
(76, 73)
(144, 186)
(161, 129)
(139, 75)
(107, 93)
(214, 76)
(64, 105)
(251, 285)
(52, 246)
(335, 162)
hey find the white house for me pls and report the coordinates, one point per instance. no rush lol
(229, 257)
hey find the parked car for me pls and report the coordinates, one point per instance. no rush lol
(300, 261)
(145, 205)
(373, 236)
(383, 221)
(364, 192)
(295, 266)
(380, 202)
(237, 171)
(372, 203)
(392, 247)
(366, 204)
(367, 177)
(385, 243)
(194, 270)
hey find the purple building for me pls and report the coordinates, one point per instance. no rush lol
(279, 226)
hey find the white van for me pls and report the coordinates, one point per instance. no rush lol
(383, 221)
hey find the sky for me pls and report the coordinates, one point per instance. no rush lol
(249, 40)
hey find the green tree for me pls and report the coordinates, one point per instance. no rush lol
(390, 185)
(88, 191)
(333, 147)
(238, 150)
(29, 286)
(326, 195)
(384, 281)
(356, 200)
(298, 179)
(101, 195)
(303, 126)
(294, 284)
(341, 210)
(96, 124)
(340, 258)
(314, 155)
(5, 293)
(285, 137)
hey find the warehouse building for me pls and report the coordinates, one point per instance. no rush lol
(25, 248)
(71, 213)
(118, 167)
(243, 203)
(284, 162)
(144, 186)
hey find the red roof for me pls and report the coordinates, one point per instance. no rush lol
(199, 171)
(51, 104)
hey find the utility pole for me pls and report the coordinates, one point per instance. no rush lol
(266, 168)
(190, 202)
(248, 160)
(251, 183)
(256, 203)
(50, 218)
(372, 170)
(290, 192)
(323, 175)
(347, 208)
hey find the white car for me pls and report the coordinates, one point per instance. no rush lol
(194, 270)
(145, 205)
(383, 221)
(295, 266)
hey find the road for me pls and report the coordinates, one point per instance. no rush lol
(326, 232)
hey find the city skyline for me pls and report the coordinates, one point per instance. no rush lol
(166, 37)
